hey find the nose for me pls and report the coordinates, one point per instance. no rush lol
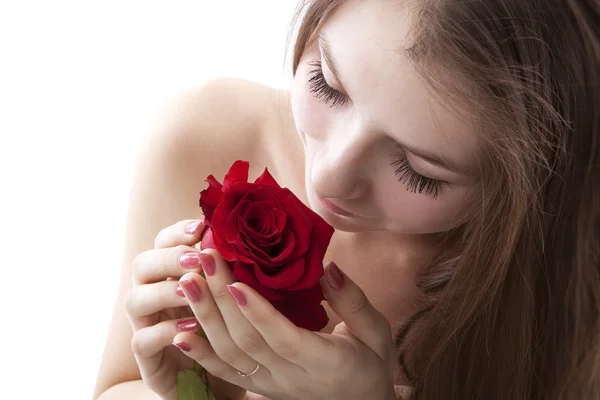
(340, 169)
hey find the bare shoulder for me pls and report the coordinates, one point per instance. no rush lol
(228, 119)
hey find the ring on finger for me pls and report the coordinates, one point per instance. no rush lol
(250, 373)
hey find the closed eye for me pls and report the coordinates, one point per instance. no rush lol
(319, 87)
(414, 181)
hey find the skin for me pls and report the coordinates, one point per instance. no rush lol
(341, 153)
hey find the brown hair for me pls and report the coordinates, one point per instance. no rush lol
(514, 311)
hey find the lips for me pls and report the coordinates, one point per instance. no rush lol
(335, 208)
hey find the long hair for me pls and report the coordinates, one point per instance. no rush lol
(513, 311)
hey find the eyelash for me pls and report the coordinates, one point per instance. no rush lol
(414, 181)
(319, 87)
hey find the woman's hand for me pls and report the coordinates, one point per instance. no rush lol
(158, 310)
(356, 361)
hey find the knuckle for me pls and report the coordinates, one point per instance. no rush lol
(221, 294)
(358, 304)
(228, 356)
(130, 300)
(175, 253)
(159, 239)
(291, 386)
(136, 266)
(287, 350)
(180, 248)
(250, 343)
(208, 316)
(161, 297)
(137, 344)
(219, 371)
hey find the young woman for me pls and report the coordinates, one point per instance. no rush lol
(454, 146)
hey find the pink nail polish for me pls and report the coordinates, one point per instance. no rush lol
(238, 295)
(183, 346)
(179, 291)
(208, 264)
(191, 289)
(335, 277)
(190, 260)
(191, 228)
(188, 325)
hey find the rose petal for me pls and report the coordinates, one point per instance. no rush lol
(258, 219)
(263, 220)
(242, 273)
(244, 252)
(304, 308)
(322, 231)
(249, 253)
(282, 279)
(219, 242)
(273, 225)
(263, 195)
(210, 198)
(283, 250)
(313, 269)
(237, 173)
(298, 222)
(228, 201)
(267, 179)
(231, 228)
(276, 255)
(267, 194)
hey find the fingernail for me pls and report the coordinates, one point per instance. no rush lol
(237, 295)
(208, 264)
(191, 228)
(190, 260)
(179, 291)
(183, 346)
(191, 289)
(334, 276)
(188, 325)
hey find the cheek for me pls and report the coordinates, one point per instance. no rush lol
(416, 213)
(311, 116)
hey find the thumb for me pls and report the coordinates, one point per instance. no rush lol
(361, 319)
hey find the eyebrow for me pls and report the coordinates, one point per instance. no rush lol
(431, 158)
(326, 48)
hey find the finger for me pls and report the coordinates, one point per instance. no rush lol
(159, 264)
(298, 346)
(151, 340)
(350, 303)
(243, 333)
(254, 396)
(201, 351)
(148, 344)
(143, 301)
(207, 313)
(183, 232)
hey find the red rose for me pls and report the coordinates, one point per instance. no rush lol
(272, 241)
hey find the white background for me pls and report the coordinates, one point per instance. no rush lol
(80, 85)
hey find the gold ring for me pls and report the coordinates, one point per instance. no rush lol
(251, 373)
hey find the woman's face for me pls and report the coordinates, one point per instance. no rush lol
(382, 153)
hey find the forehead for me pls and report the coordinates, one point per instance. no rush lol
(367, 39)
